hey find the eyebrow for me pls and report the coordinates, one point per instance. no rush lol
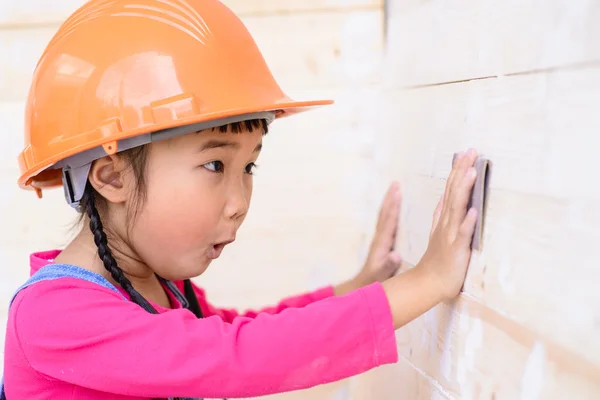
(216, 144)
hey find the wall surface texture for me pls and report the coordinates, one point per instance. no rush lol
(414, 81)
(520, 81)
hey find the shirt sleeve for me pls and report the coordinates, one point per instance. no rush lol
(228, 314)
(88, 336)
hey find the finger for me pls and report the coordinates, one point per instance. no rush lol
(459, 171)
(461, 197)
(390, 220)
(394, 259)
(465, 232)
(453, 170)
(467, 160)
(393, 264)
(448, 188)
(436, 214)
(391, 230)
(386, 205)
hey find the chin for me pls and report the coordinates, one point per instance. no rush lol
(186, 270)
(199, 269)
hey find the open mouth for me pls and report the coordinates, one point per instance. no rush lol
(218, 248)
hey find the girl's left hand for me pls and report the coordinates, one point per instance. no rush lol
(383, 261)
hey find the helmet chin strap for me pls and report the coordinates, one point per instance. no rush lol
(75, 169)
(74, 181)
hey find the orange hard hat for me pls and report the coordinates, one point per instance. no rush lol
(123, 73)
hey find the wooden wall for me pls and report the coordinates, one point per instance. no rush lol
(520, 81)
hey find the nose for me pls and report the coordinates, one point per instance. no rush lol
(238, 200)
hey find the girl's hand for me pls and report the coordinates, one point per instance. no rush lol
(440, 274)
(382, 261)
(449, 250)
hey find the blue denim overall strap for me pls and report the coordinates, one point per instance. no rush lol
(56, 271)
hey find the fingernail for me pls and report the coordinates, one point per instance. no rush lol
(472, 172)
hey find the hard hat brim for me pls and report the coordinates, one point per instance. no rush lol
(42, 176)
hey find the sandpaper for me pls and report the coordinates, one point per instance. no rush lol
(479, 197)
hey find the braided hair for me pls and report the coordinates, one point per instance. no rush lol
(88, 202)
(104, 252)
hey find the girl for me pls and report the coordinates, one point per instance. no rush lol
(151, 114)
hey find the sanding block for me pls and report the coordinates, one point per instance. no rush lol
(479, 197)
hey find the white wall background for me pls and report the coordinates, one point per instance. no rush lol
(520, 81)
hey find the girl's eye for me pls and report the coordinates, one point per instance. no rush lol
(250, 168)
(214, 166)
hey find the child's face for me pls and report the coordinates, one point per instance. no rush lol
(199, 188)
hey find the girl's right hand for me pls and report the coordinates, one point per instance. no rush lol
(441, 272)
(449, 250)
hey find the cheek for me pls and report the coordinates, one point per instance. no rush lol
(177, 222)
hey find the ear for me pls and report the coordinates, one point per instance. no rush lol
(108, 176)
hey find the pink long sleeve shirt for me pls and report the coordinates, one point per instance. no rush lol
(72, 339)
